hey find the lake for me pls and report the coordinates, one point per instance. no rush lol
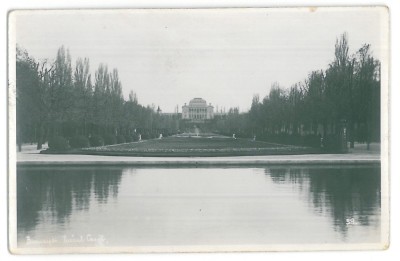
(124, 206)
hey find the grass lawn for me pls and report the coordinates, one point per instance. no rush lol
(181, 146)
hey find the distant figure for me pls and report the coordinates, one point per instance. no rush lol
(140, 137)
(160, 137)
(321, 141)
(233, 136)
(254, 138)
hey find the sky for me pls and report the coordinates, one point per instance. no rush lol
(225, 56)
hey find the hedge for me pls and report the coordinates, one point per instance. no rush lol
(120, 139)
(96, 140)
(58, 143)
(110, 139)
(79, 142)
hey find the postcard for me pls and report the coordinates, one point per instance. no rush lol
(198, 130)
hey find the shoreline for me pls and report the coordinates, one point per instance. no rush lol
(309, 159)
(358, 156)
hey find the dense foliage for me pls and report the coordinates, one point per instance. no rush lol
(96, 140)
(58, 143)
(346, 94)
(55, 99)
(79, 141)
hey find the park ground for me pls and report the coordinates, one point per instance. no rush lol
(359, 155)
(195, 145)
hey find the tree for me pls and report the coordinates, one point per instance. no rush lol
(61, 94)
(27, 84)
(99, 98)
(117, 100)
(295, 108)
(367, 89)
(83, 92)
(316, 103)
(275, 109)
(255, 115)
(338, 82)
(33, 80)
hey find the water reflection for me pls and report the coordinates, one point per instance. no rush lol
(60, 191)
(349, 195)
(136, 206)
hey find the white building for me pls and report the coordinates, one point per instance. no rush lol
(197, 110)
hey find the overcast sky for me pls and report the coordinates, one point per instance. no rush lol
(225, 56)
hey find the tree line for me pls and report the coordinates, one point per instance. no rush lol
(55, 99)
(315, 111)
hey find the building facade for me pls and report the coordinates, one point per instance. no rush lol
(197, 110)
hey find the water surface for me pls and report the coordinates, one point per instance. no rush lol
(127, 206)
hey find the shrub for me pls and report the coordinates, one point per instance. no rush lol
(96, 140)
(79, 142)
(312, 141)
(135, 137)
(128, 138)
(120, 139)
(58, 143)
(332, 143)
(109, 139)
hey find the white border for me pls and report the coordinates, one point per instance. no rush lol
(394, 10)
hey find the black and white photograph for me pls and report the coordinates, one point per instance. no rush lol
(198, 130)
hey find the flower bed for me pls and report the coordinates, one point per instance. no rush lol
(199, 146)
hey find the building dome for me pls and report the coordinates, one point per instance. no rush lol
(197, 102)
